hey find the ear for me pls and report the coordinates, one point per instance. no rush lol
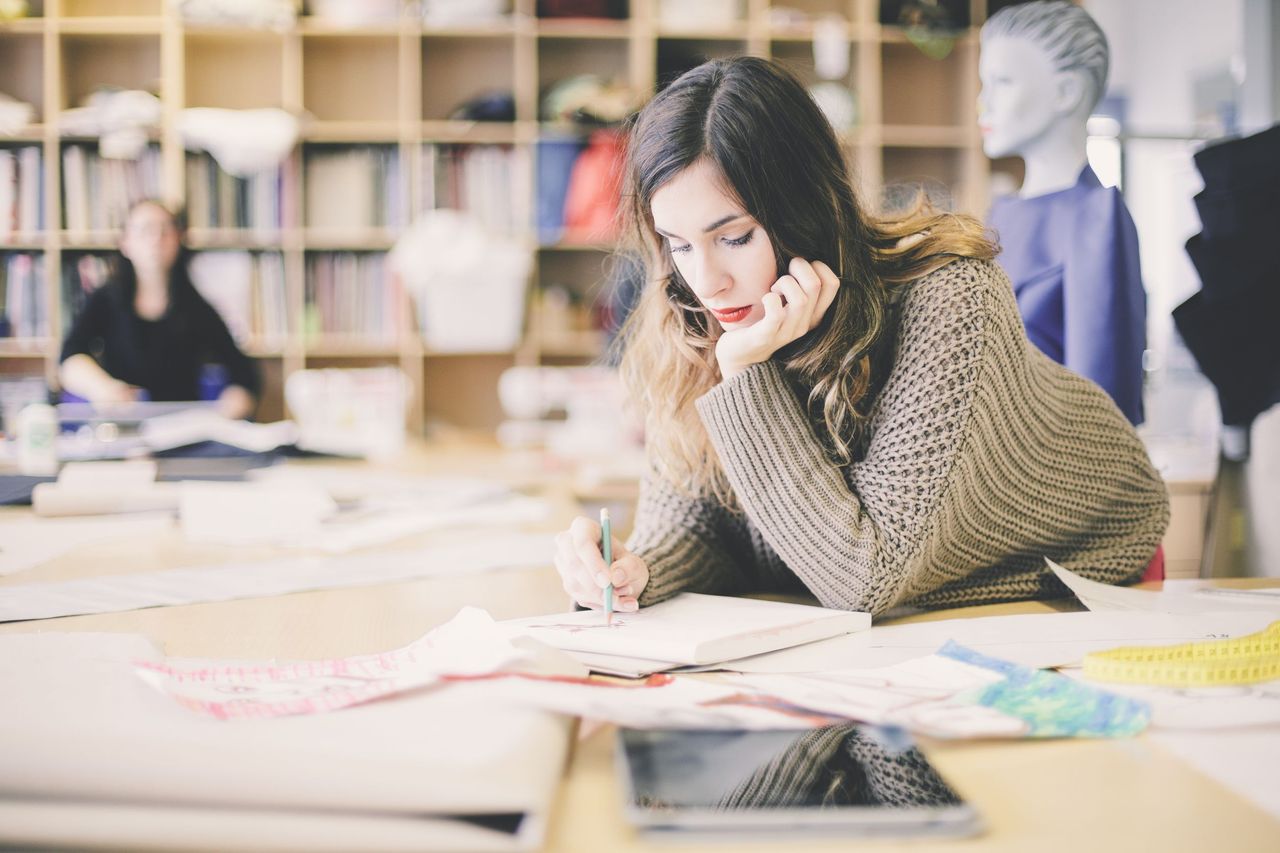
(1070, 91)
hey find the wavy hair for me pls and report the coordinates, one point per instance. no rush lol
(779, 158)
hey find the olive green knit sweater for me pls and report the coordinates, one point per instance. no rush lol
(984, 457)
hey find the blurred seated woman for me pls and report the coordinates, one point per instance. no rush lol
(148, 329)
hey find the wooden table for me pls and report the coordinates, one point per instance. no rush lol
(1058, 795)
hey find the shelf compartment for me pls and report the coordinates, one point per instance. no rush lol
(465, 398)
(351, 78)
(457, 70)
(22, 70)
(234, 73)
(91, 62)
(677, 55)
(560, 59)
(939, 171)
(798, 57)
(923, 91)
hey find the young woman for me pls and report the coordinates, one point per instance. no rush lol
(836, 403)
(148, 329)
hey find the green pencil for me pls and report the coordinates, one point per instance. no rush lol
(606, 548)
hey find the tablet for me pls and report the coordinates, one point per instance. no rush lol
(846, 780)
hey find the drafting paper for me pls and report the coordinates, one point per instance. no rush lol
(26, 542)
(694, 629)
(78, 728)
(468, 644)
(200, 584)
(1102, 596)
(1033, 639)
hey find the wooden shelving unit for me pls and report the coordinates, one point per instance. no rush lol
(397, 84)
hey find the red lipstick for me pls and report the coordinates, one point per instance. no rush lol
(731, 315)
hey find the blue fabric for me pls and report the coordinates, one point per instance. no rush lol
(1072, 256)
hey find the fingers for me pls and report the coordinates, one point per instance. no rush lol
(584, 539)
(584, 576)
(829, 288)
(630, 575)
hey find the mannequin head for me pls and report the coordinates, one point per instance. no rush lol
(1043, 69)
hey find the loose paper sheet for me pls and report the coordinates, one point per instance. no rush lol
(78, 725)
(1101, 596)
(469, 644)
(26, 542)
(1033, 640)
(271, 577)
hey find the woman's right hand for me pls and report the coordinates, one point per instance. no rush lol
(583, 572)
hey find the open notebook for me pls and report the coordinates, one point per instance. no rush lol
(692, 628)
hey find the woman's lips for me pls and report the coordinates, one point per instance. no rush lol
(731, 315)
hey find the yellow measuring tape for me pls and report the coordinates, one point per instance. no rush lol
(1207, 663)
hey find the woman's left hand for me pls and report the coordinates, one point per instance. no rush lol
(793, 307)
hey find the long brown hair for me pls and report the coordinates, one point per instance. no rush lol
(778, 155)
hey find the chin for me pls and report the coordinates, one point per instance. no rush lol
(995, 148)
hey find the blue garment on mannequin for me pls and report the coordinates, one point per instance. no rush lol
(1072, 256)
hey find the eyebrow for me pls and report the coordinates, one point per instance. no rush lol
(722, 221)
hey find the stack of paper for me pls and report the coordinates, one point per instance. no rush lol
(92, 752)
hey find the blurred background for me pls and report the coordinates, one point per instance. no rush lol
(305, 140)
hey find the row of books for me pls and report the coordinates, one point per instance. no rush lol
(347, 189)
(354, 188)
(97, 191)
(352, 295)
(21, 191)
(22, 306)
(248, 290)
(477, 179)
(218, 199)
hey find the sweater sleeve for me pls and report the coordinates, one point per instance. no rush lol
(222, 349)
(89, 325)
(688, 544)
(854, 537)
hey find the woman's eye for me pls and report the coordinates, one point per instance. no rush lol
(740, 241)
(675, 250)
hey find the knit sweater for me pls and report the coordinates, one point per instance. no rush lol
(983, 457)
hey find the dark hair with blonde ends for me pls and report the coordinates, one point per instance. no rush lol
(779, 158)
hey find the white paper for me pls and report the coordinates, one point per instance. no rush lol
(362, 529)
(347, 484)
(270, 577)
(26, 542)
(1036, 640)
(219, 513)
(77, 727)
(469, 644)
(1244, 760)
(165, 432)
(1101, 596)
(694, 629)
(135, 473)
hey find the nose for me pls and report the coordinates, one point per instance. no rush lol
(709, 277)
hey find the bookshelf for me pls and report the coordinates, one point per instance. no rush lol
(391, 87)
